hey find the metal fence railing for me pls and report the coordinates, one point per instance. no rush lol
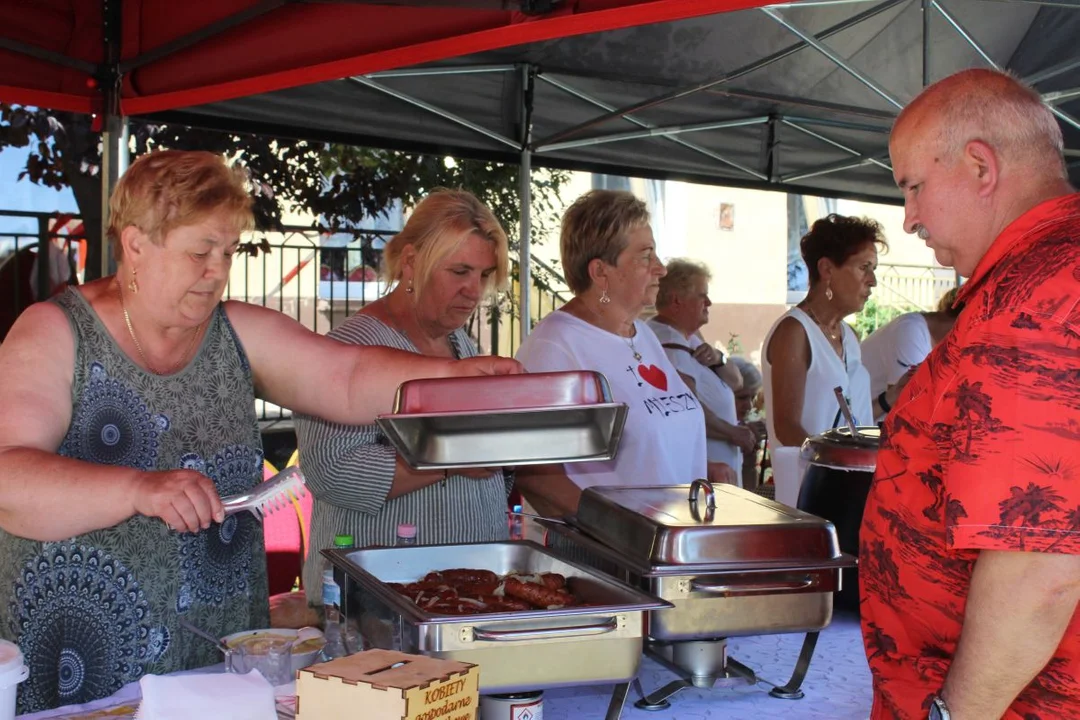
(913, 287)
(322, 280)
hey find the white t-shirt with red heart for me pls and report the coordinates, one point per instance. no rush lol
(663, 442)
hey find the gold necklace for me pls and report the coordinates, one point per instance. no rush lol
(138, 346)
(813, 316)
(628, 338)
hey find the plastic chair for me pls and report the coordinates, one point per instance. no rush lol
(286, 536)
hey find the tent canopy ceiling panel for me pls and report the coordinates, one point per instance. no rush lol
(797, 98)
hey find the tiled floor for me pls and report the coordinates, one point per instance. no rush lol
(837, 685)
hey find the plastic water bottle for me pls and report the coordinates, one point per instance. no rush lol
(344, 542)
(406, 534)
(517, 525)
(331, 597)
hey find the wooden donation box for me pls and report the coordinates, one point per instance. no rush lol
(388, 685)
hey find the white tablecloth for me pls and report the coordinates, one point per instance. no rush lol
(837, 686)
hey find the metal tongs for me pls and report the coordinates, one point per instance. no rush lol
(279, 491)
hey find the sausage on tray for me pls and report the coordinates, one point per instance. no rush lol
(459, 576)
(537, 595)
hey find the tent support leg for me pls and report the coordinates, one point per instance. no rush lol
(525, 193)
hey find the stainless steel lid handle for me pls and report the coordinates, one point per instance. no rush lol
(710, 500)
(600, 628)
(808, 581)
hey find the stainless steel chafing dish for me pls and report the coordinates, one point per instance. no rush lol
(730, 562)
(499, 420)
(518, 651)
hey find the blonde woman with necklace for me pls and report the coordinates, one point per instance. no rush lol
(127, 410)
(609, 258)
(449, 257)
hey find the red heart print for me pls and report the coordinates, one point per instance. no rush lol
(653, 375)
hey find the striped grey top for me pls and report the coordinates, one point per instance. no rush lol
(350, 470)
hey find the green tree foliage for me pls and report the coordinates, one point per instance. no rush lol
(336, 184)
(875, 315)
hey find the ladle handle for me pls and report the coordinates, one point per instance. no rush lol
(846, 410)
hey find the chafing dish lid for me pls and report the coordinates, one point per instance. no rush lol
(659, 525)
(840, 450)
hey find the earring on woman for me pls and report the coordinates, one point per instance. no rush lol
(604, 299)
(133, 286)
(410, 288)
(828, 291)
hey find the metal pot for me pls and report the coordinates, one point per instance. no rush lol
(837, 480)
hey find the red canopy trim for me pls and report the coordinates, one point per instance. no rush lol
(46, 99)
(516, 34)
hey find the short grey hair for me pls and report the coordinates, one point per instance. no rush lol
(751, 376)
(1002, 111)
(681, 274)
(596, 226)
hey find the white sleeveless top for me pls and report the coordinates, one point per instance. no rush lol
(820, 410)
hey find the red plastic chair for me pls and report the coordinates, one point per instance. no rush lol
(286, 536)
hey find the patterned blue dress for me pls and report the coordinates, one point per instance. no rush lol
(94, 612)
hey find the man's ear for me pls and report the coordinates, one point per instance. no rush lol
(982, 165)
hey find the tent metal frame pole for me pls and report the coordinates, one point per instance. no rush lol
(203, 33)
(114, 126)
(444, 114)
(47, 56)
(1060, 96)
(836, 59)
(826, 170)
(433, 72)
(625, 111)
(926, 12)
(1052, 72)
(1045, 3)
(962, 31)
(662, 131)
(835, 144)
(803, 102)
(525, 193)
(693, 147)
(842, 124)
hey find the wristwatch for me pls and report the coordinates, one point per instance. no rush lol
(938, 709)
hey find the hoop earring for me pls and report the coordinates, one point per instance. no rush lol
(828, 291)
(604, 299)
(133, 286)
(410, 288)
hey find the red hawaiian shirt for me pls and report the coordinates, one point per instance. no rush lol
(981, 452)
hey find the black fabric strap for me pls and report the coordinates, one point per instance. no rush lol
(883, 403)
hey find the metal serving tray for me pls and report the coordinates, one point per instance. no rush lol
(517, 651)
(508, 437)
(658, 525)
(501, 392)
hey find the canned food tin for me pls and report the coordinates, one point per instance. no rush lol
(518, 706)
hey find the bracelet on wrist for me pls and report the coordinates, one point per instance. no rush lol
(883, 403)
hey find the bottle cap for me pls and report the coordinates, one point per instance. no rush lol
(406, 530)
(343, 541)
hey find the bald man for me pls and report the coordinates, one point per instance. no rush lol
(970, 544)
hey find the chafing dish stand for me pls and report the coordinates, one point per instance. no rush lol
(736, 564)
